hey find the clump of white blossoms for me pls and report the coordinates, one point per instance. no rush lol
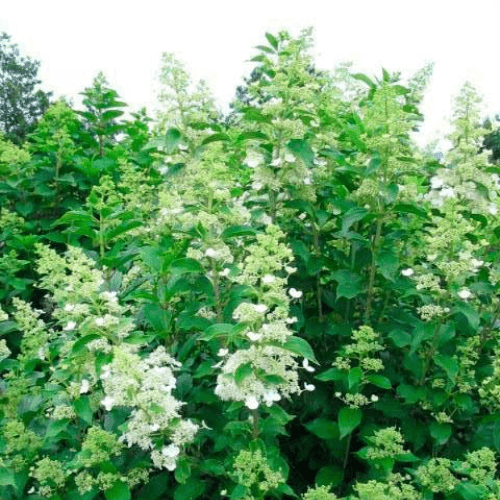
(146, 384)
(265, 371)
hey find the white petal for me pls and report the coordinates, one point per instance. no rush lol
(252, 403)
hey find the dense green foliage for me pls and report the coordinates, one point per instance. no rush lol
(21, 103)
(296, 302)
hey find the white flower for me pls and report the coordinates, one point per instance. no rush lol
(266, 219)
(309, 387)
(163, 170)
(290, 270)
(99, 321)
(253, 163)
(268, 279)
(289, 158)
(69, 307)
(447, 193)
(314, 123)
(306, 365)
(257, 185)
(70, 326)
(154, 427)
(446, 309)
(254, 336)
(31, 490)
(374, 398)
(111, 296)
(492, 209)
(260, 308)
(276, 162)
(211, 253)
(225, 271)
(108, 403)
(223, 493)
(436, 182)
(407, 272)
(432, 257)
(307, 181)
(252, 403)
(464, 294)
(222, 352)
(338, 394)
(295, 294)
(106, 372)
(182, 147)
(85, 386)
(477, 263)
(171, 450)
(270, 397)
(302, 216)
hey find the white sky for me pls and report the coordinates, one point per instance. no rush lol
(74, 40)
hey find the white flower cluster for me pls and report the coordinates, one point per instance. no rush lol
(145, 384)
(272, 371)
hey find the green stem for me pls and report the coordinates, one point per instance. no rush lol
(371, 282)
(256, 420)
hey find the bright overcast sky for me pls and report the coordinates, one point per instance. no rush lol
(74, 40)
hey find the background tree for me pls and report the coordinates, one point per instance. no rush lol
(21, 104)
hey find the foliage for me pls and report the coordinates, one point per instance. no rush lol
(297, 302)
(21, 104)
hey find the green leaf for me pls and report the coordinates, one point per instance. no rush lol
(80, 344)
(172, 138)
(349, 283)
(83, 409)
(279, 414)
(242, 372)
(56, 427)
(302, 150)
(363, 78)
(469, 312)
(215, 138)
(191, 490)
(440, 432)
(350, 217)
(7, 477)
(448, 364)
(379, 381)
(239, 491)
(349, 419)
(323, 428)
(355, 376)
(234, 231)
(330, 475)
(331, 374)
(471, 491)
(388, 264)
(183, 470)
(300, 346)
(400, 338)
(272, 40)
(119, 491)
(185, 265)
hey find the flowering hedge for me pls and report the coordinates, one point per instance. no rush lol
(294, 301)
